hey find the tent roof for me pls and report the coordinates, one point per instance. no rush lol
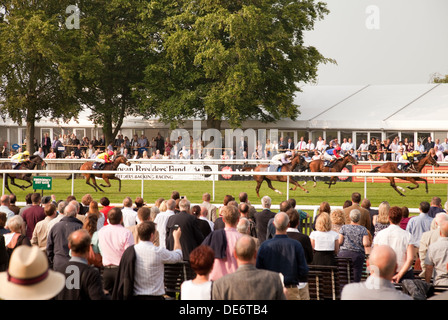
(374, 107)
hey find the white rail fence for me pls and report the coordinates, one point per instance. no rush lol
(215, 175)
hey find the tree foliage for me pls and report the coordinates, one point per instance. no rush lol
(228, 60)
(30, 82)
(104, 61)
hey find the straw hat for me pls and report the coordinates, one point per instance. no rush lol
(29, 277)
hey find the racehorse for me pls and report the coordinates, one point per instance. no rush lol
(339, 164)
(112, 166)
(392, 167)
(26, 165)
(297, 160)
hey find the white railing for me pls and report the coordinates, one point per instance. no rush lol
(215, 174)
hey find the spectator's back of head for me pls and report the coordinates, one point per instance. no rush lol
(356, 197)
(145, 229)
(105, 201)
(35, 198)
(243, 226)
(115, 216)
(243, 208)
(243, 196)
(79, 241)
(184, 205)
(281, 221)
(206, 197)
(175, 195)
(245, 249)
(355, 215)
(202, 259)
(144, 213)
(266, 202)
(127, 202)
(49, 209)
(171, 204)
(383, 262)
(70, 210)
(230, 215)
(285, 205)
(294, 217)
(395, 215)
(424, 206)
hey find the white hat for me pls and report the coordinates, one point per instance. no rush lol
(29, 277)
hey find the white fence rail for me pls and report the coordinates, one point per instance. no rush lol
(215, 175)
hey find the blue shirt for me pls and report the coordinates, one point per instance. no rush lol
(284, 255)
(417, 226)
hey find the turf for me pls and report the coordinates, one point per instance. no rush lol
(193, 190)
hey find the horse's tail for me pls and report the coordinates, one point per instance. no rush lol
(375, 170)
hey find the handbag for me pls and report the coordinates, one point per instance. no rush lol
(95, 258)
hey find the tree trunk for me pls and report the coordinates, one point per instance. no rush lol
(30, 135)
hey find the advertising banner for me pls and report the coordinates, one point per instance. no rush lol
(165, 171)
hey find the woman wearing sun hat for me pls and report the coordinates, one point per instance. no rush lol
(29, 277)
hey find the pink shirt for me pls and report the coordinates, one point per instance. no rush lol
(113, 240)
(221, 267)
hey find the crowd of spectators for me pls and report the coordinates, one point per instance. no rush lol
(140, 147)
(235, 251)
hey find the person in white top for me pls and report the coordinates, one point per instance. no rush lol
(400, 241)
(201, 261)
(161, 220)
(129, 214)
(301, 145)
(324, 241)
(150, 261)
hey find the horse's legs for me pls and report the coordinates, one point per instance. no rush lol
(93, 185)
(7, 184)
(393, 185)
(257, 188)
(414, 181)
(106, 179)
(270, 185)
(13, 182)
(296, 184)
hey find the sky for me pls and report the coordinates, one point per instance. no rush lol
(382, 41)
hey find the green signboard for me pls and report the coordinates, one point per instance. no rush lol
(42, 183)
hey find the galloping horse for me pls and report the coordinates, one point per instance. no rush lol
(106, 177)
(392, 167)
(339, 164)
(297, 160)
(27, 165)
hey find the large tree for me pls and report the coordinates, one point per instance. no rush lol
(31, 86)
(228, 60)
(103, 60)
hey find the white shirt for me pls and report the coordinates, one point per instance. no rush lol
(301, 145)
(129, 217)
(192, 291)
(149, 267)
(324, 241)
(160, 221)
(397, 238)
(9, 212)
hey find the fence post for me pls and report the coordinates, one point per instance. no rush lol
(73, 184)
(213, 191)
(365, 187)
(4, 177)
(287, 188)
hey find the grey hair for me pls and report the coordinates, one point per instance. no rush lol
(243, 225)
(355, 215)
(15, 223)
(266, 202)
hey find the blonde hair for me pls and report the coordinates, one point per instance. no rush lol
(323, 222)
(383, 212)
(337, 216)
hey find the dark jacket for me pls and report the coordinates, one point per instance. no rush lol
(124, 282)
(191, 236)
(217, 240)
(261, 221)
(90, 283)
(57, 242)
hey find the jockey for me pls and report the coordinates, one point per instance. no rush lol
(102, 159)
(281, 159)
(332, 154)
(20, 158)
(407, 158)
